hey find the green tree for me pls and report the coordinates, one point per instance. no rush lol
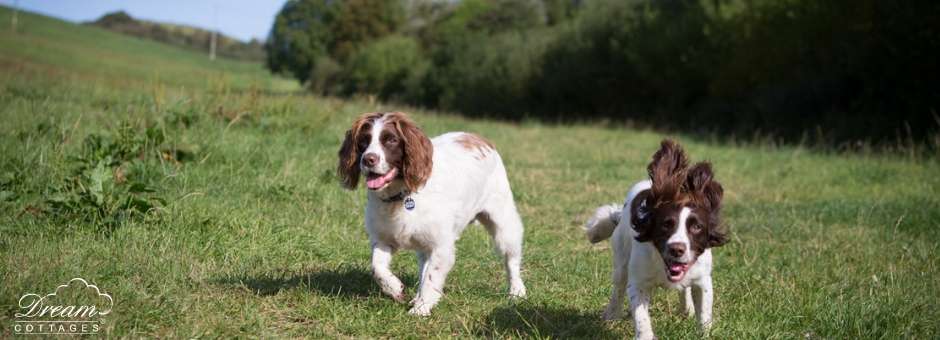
(301, 35)
(471, 19)
(363, 21)
(510, 15)
(559, 11)
(454, 24)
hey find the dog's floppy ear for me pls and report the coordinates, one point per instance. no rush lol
(707, 193)
(417, 158)
(667, 171)
(348, 167)
(349, 153)
(641, 218)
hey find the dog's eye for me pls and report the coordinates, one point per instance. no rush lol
(392, 140)
(696, 227)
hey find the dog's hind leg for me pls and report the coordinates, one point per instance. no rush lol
(502, 222)
(618, 275)
(438, 264)
(422, 268)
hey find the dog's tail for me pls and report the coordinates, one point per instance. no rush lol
(602, 225)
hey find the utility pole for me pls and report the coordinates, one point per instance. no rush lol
(16, 5)
(215, 33)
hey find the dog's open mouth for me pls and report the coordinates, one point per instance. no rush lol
(675, 271)
(376, 181)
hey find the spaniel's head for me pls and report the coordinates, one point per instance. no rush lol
(680, 213)
(385, 147)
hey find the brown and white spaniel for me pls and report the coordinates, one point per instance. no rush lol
(423, 192)
(662, 237)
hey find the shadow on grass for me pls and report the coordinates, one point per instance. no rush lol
(537, 321)
(346, 282)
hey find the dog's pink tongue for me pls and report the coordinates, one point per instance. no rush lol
(374, 181)
(676, 271)
(676, 267)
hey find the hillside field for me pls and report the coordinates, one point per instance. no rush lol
(203, 199)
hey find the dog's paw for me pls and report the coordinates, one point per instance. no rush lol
(517, 291)
(612, 313)
(396, 294)
(687, 312)
(400, 298)
(393, 288)
(421, 309)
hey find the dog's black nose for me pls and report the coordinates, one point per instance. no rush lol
(677, 249)
(370, 159)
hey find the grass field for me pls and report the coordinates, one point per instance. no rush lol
(206, 204)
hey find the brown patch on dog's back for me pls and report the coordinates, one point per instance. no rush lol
(472, 141)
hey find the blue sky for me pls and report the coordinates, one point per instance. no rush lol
(240, 19)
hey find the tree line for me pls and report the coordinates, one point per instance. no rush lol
(829, 70)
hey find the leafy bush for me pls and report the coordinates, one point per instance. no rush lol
(381, 67)
(325, 77)
(585, 70)
(851, 70)
(492, 77)
(855, 69)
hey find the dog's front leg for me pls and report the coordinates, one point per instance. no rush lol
(703, 295)
(438, 264)
(640, 301)
(686, 305)
(381, 271)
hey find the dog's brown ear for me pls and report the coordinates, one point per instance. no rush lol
(708, 194)
(668, 171)
(417, 158)
(349, 153)
(642, 218)
(348, 167)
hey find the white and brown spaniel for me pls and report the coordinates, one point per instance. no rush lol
(662, 237)
(423, 192)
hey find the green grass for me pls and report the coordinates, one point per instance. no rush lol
(257, 239)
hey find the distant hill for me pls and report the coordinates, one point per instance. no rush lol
(186, 37)
(58, 50)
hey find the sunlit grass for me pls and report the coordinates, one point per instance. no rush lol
(257, 239)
